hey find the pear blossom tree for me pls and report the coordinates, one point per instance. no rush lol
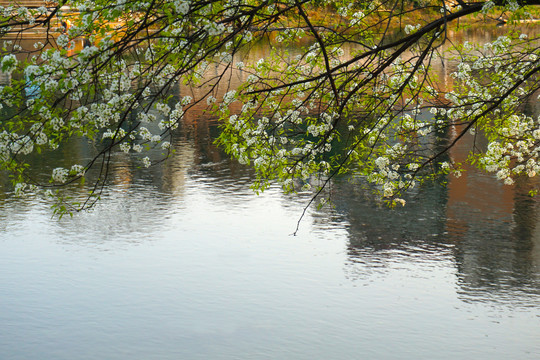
(346, 87)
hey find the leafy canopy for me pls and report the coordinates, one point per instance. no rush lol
(345, 87)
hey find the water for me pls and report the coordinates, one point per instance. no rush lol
(184, 261)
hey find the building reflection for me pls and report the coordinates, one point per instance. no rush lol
(491, 235)
(492, 227)
(490, 231)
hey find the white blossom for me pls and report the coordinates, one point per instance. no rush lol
(146, 161)
(60, 175)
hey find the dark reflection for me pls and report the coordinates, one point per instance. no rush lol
(496, 252)
(376, 232)
(487, 229)
(491, 235)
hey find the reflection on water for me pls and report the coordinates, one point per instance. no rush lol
(183, 261)
(495, 247)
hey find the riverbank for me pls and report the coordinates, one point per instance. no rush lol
(320, 18)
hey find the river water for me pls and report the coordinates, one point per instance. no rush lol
(183, 261)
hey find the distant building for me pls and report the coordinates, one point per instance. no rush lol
(27, 3)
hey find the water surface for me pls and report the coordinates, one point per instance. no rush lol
(184, 261)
